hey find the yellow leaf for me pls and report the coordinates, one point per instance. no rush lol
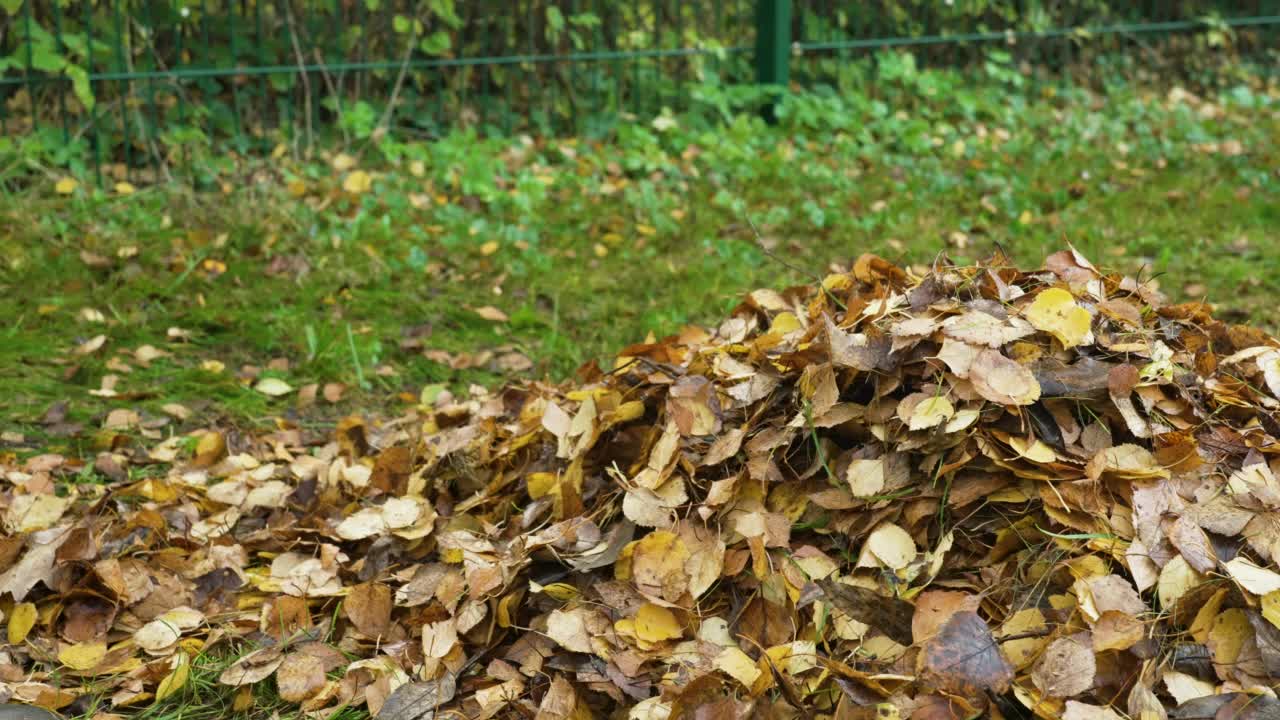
(563, 592)
(275, 387)
(507, 607)
(930, 412)
(357, 182)
(1032, 449)
(1021, 653)
(82, 656)
(1270, 608)
(1203, 622)
(243, 699)
(489, 248)
(493, 314)
(541, 483)
(1055, 311)
(66, 186)
(176, 678)
(1228, 636)
(892, 546)
(125, 188)
(658, 565)
(655, 623)
(29, 513)
(865, 477)
(735, 663)
(784, 323)
(1176, 578)
(343, 162)
(21, 620)
(1255, 579)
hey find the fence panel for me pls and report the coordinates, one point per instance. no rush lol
(139, 86)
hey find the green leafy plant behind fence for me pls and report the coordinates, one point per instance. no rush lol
(140, 86)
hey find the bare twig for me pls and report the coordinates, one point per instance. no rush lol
(333, 90)
(817, 280)
(150, 141)
(385, 120)
(302, 64)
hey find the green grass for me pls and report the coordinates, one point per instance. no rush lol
(590, 246)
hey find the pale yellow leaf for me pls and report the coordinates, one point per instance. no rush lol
(569, 629)
(357, 182)
(29, 513)
(493, 314)
(1255, 579)
(275, 387)
(865, 477)
(1185, 687)
(735, 663)
(892, 546)
(979, 328)
(1176, 578)
(83, 656)
(930, 412)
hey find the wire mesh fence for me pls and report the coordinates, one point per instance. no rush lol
(139, 85)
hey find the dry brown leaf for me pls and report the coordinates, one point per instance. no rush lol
(935, 607)
(418, 700)
(963, 658)
(1066, 668)
(369, 608)
(1003, 381)
(252, 668)
(979, 328)
(891, 616)
(569, 629)
(299, 677)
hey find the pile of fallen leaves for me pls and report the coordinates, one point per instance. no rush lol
(966, 492)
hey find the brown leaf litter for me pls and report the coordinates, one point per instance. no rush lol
(976, 492)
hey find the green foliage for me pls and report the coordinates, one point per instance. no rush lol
(590, 244)
(160, 93)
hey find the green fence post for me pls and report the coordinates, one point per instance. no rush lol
(773, 46)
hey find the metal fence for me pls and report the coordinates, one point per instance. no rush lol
(138, 85)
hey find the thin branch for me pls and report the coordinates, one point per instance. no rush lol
(150, 141)
(816, 279)
(385, 120)
(333, 90)
(302, 63)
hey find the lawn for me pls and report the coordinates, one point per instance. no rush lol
(353, 281)
(296, 291)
